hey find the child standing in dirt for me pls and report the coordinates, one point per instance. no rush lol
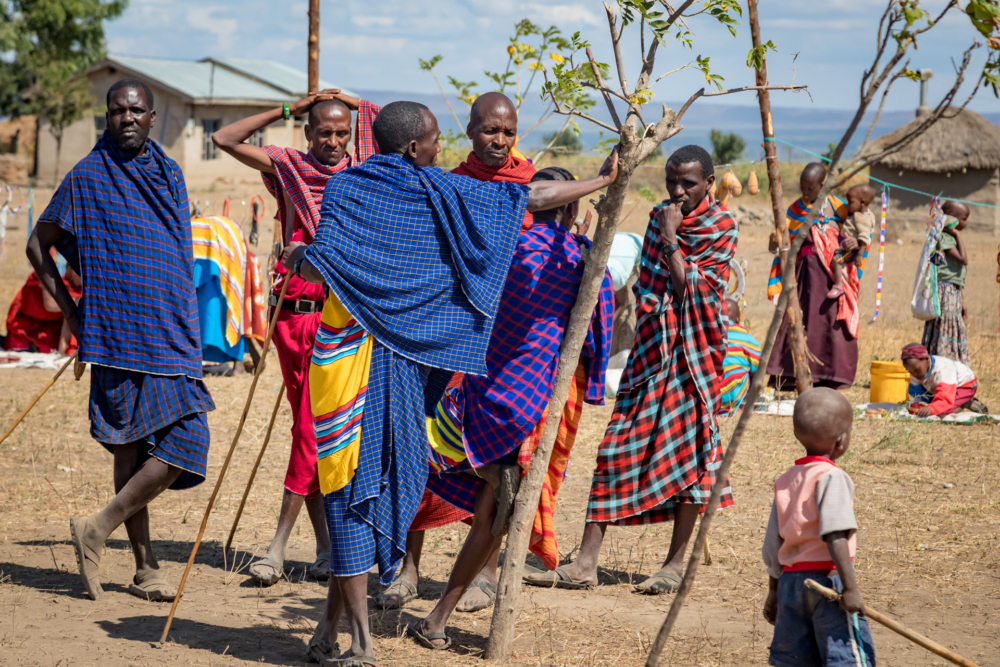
(811, 534)
(856, 234)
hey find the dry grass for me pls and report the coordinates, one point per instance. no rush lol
(917, 484)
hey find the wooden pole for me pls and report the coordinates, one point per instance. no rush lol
(39, 397)
(313, 46)
(229, 456)
(796, 334)
(501, 639)
(898, 628)
(253, 473)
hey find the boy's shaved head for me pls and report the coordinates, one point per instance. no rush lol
(956, 209)
(863, 191)
(733, 310)
(822, 419)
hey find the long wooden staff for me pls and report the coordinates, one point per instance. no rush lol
(39, 397)
(229, 456)
(898, 628)
(253, 473)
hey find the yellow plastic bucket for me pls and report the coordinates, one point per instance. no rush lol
(890, 381)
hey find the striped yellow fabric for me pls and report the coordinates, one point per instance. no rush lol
(220, 240)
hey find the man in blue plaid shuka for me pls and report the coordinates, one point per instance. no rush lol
(419, 258)
(121, 219)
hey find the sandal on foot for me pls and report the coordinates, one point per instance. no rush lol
(835, 293)
(404, 591)
(664, 581)
(266, 579)
(151, 585)
(321, 651)
(320, 569)
(506, 493)
(88, 560)
(352, 661)
(416, 630)
(560, 580)
(486, 587)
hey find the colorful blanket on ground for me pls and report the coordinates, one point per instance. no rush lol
(419, 258)
(338, 382)
(662, 445)
(129, 237)
(514, 170)
(303, 178)
(742, 359)
(797, 214)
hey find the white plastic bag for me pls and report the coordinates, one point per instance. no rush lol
(925, 304)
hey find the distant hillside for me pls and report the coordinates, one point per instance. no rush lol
(811, 128)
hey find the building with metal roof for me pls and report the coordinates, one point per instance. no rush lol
(192, 100)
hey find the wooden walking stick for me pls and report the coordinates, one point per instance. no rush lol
(898, 628)
(229, 456)
(253, 473)
(39, 397)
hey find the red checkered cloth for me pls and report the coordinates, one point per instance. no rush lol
(303, 178)
(662, 445)
(435, 513)
(513, 170)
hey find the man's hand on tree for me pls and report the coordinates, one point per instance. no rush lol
(609, 170)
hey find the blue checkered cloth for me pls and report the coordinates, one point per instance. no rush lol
(167, 412)
(129, 236)
(419, 258)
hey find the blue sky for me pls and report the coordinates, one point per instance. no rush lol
(368, 45)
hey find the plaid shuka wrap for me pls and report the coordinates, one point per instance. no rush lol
(128, 235)
(662, 445)
(513, 170)
(419, 258)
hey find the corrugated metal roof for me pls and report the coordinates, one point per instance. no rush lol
(279, 75)
(229, 81)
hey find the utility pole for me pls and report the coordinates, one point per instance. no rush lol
(796, 334)
(313, 46)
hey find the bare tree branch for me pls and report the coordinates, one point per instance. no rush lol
(616, 45)
(895, 77)
(604, 90)
(702, 93)
(650, 59)
(673, 71)
(555, 138)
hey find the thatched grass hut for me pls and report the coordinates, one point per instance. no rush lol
(959, 156)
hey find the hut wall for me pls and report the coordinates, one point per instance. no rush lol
(908, 211)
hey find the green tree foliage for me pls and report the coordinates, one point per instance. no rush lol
(727, 147)
(45, 43)
(566, 143)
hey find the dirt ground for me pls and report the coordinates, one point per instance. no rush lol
(926, 494)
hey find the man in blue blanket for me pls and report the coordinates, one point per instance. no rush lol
(419, 258)
(121, 220)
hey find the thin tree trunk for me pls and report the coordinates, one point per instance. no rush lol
(55, 174)
(796, 334)
(501, 638)
(313, 46)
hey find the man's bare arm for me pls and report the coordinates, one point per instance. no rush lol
(39, 251)
(546, 195)
(232, 138)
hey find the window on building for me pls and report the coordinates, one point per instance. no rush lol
(100, 124)
(208, 149)
(257, 139)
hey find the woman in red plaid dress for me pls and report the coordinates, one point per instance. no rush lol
(661, 451)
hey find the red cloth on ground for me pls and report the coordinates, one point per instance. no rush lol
(28, 323)
(294, 337)
(514, 170)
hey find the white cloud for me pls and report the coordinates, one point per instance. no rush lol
(201, 18)
(364, 44)
(812, 24)
(373, 21)
(559, 14)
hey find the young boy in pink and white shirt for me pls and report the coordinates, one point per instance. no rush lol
(811, 534)
(950, 385)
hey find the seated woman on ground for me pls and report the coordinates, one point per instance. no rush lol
(950, 386)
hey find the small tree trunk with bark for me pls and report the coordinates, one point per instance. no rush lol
(796, 333)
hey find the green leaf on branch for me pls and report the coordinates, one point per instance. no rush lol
(755, 59)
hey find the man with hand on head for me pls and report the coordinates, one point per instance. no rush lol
(415, 261)
(661, 451)
(121, 219)
(296, 180)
